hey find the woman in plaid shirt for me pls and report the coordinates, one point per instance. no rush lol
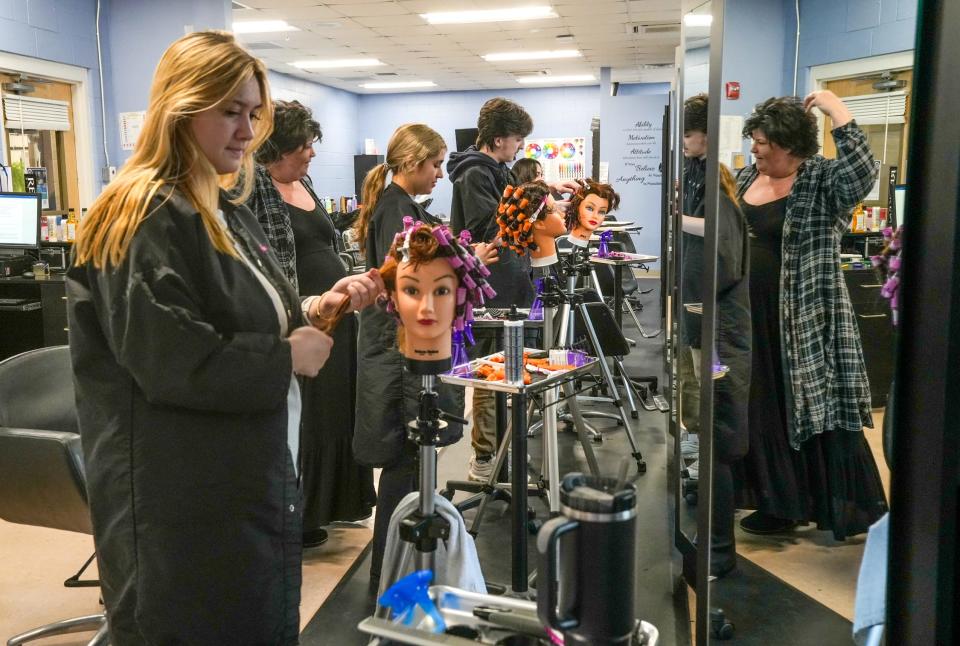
(809, 398)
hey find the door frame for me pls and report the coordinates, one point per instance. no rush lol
(81, 97)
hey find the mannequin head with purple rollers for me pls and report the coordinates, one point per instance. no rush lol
(433, 283)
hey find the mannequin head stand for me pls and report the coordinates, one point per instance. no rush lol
(433, 282)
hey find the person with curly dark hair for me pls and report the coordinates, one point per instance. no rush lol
(302, 235)
(808, 459)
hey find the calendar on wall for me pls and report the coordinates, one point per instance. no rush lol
(561, 158)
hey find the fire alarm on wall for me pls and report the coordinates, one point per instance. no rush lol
(733, 90)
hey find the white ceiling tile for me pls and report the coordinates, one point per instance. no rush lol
(392, 31)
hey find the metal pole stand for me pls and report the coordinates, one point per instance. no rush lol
(421, 530)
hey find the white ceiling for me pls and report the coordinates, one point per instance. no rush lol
(450, 55)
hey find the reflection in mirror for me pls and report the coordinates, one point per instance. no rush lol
(693, 120)
(795, 460)
(688, 252)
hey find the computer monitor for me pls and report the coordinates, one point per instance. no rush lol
(19, 221)
(466, 137)
(900, 204)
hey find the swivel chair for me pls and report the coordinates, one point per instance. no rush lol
(42, 479)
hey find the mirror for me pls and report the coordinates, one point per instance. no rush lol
(687, 310)
(789, 505)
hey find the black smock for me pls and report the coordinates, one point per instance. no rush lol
(335, 487)
(182, 381)
(733, 344)
(478, 184)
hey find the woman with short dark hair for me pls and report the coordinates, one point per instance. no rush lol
(527, 170)
(808, 459)
(305, 241)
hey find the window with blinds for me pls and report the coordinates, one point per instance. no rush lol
(32, 113)
(878, 109)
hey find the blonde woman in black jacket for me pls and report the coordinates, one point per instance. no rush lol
(186, 341)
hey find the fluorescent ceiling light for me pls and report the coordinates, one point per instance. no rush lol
(262, 26)
(488, 15)
(531, 56)
(335, 63)
(397, 85)
(573, 78)
(697, 20)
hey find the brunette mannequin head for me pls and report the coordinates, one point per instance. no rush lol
(529, 221)
(433, 282)
(588, 208)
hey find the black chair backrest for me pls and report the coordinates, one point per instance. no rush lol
(41, 463)
(609, 334)
(36, 390)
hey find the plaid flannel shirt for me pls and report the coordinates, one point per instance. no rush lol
(268, 205)
(825, 376)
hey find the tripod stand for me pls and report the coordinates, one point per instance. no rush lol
(420, 531)
(572, 303)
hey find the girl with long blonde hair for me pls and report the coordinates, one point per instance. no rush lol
(388, 398)
(186, 338)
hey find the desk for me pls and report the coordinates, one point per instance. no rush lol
(619, 260)
(26, 330)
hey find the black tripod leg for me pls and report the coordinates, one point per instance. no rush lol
(578, 423)
(611, 384)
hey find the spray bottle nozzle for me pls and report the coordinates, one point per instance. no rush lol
(403, 597)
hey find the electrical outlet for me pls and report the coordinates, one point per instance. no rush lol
(107, 173)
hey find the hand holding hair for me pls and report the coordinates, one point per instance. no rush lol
(488, 252)
(348, 294)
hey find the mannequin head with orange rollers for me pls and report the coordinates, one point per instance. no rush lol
(529, 221)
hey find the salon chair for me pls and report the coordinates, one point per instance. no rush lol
(42, 480)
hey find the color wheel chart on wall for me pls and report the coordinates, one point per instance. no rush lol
(561, 158)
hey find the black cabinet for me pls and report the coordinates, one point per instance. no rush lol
(872, 313)
(38, 319)
(363, 164)
(53, 299)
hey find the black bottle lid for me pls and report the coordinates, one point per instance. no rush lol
(596, 494)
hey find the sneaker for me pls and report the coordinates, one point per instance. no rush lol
(481, 468)
(690, 448)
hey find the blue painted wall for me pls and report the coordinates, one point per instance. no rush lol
(63, 32)
(336, 111)
(638, 89)
(137, 33)
(556, 112)
(753, 45)
(832, 31)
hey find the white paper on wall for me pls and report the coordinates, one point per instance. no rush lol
(560, 157)
(731, 138)
(604, 173)
(131, 123)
